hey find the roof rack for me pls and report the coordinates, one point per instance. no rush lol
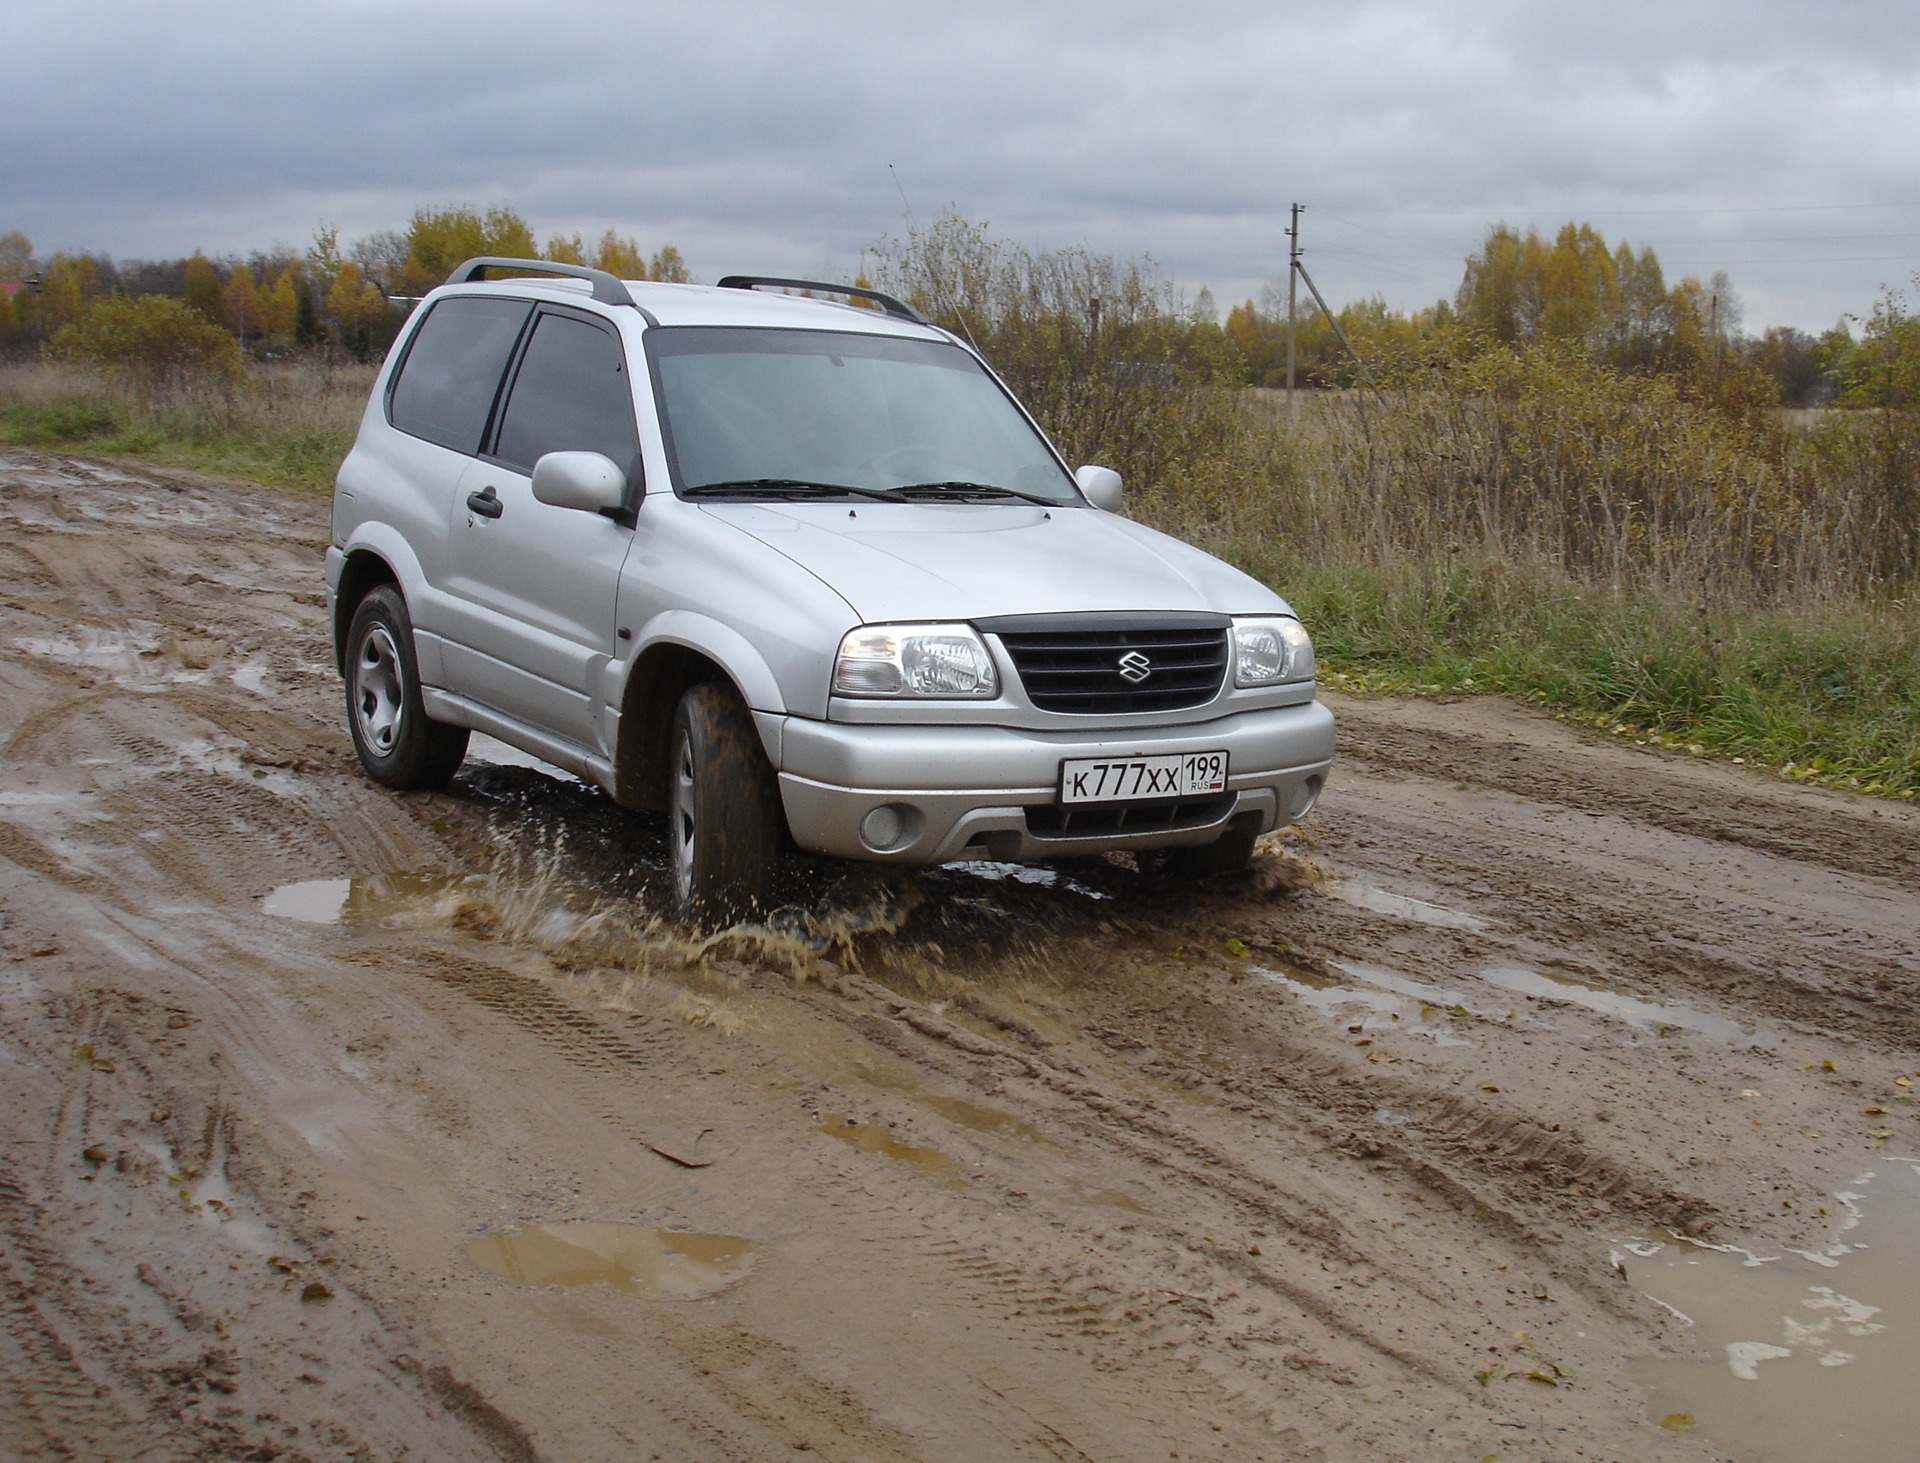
(606, 289)
(899, 309)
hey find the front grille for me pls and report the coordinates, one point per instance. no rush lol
(1081, 663)
(1098, 820)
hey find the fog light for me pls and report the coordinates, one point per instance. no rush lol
(880, 830)
(1304, 797)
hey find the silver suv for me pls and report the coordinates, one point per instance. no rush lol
(790, 569)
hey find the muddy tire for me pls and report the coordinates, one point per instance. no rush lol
(725, 828)
(399, 746)
(1230, 853)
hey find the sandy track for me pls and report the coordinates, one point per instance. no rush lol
(1083, 1166)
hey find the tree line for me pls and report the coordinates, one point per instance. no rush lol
(1612, 304)
(217, 312)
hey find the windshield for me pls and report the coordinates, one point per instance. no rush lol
(786, 413)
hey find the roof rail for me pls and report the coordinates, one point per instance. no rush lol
(899, 309)
(606, 289)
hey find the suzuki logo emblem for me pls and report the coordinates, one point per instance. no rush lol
(1135, 667)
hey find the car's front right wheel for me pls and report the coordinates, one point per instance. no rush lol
(725, 828)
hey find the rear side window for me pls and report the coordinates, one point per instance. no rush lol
(447, 383)
(571, 394)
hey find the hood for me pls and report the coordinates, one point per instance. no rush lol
(964, 561)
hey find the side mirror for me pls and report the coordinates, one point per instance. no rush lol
(1101, 485)
(588, 481)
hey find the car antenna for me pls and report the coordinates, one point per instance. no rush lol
(940, 300)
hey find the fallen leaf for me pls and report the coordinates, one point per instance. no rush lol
(1903, 1082)
(96, 1155)
(284, 1265)
(1486, 1376)
(1544, 1377)
(1489, 1087)
(1826, 1065)
(316, 1290)
(1253, 1250)
(1239, 949)
(1679, 1422)
(1874, 1112)
(1749, 1092)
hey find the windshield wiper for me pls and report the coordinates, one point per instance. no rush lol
(959, 488)
(787, 488)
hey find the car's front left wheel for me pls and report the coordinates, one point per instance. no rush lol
(398, 744)
(725, 828)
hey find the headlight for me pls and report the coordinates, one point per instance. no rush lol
(914, 660)
(1269, 650)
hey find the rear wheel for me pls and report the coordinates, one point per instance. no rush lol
(725, 830)
(1230, 853)
(398, 745)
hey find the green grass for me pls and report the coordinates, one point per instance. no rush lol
(302, 459)
(1829, 695)
(288, 426)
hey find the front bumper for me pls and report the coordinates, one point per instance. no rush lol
(993, 791)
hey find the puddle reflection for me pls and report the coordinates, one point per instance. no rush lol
(1402, 906)
(1644, 1014)
(358, 901)
(662, 1264)
(872, 1138)
(1396, 996)
(1828, 1333)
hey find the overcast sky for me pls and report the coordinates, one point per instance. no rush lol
(1778, 140)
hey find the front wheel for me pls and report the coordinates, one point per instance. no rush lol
(399, 746)
(725, 831)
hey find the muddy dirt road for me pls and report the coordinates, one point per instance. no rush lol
(341, 1125)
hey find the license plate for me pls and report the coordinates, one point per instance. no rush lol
(1136, 779)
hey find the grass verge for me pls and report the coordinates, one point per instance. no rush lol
(1826, 694)
(287, 426)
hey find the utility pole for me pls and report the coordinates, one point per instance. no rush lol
(1293, 270)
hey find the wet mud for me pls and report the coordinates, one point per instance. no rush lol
(340, 1124)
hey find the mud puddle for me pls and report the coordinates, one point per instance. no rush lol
(368, 901)
(1810, 1350)
(1401, 906)
(660, 1264)
(1642, 1014)
(874, 1138)
(1421, 1008)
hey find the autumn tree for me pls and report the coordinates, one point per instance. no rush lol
(440, 238)
(359, 312)
(16, 257)
(243, 303)
(204, 290)
(623, 258)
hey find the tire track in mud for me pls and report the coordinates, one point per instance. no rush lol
(1796, 829)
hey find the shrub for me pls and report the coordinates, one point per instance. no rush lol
(154, 340)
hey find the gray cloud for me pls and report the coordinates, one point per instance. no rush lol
(1772, 139)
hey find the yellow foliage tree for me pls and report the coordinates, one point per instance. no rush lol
(243, 303)
(566, 249)
(357, 309)
(204, 290)
(279, 308)
(440, 238)
(67, 286)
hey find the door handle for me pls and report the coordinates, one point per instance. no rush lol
(486, 503)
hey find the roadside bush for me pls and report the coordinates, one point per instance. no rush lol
(153, 340)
